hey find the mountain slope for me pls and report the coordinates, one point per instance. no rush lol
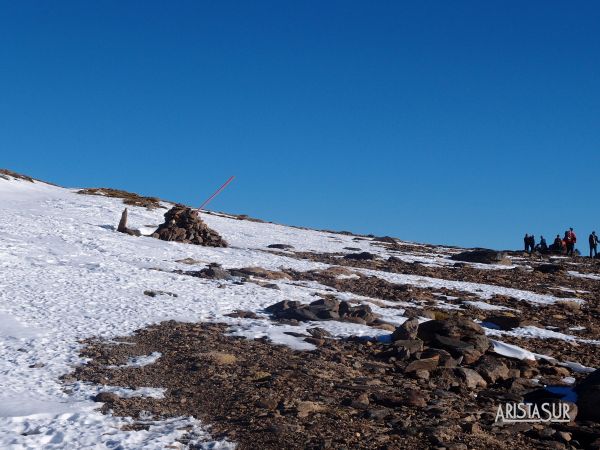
(67, 275)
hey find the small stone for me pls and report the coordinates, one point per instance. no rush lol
(267, 403)
(261, 376)
(410, 345)
(422, 364)
(415, 398)
(473, 428)
(222, 359)
(565, 436)
(492, 369)
(471, 356)
(505, 321)
(546, 433)
(458, 446)
(304, 409)
(378, 414)
(406, 331)
(106, 397)
(422, 374)
(471, 378)
(361, 402)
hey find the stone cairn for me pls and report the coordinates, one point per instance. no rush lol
(182, 224)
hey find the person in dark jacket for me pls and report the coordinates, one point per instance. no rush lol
(542, 246)
(593, 244)
(556, 247)
(526, 242)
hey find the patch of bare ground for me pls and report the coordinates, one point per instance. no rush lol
(518, 278)
(397, 246)
(346, 394)
(375, 287)
(563, 314)
(10, 173)
(579, 319)
(129, 198)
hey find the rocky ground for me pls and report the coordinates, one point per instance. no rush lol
(294, 338)
(434, 382)
(425, 390)
(433, 385)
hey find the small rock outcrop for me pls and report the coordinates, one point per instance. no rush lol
(482, 256)
(505, 321)
(549, 268)
(182, 224)
(364, 256)
(122, 227)
(322, 309)
(281, 246)
(406, 331)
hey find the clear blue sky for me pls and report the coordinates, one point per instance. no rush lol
(456, 122)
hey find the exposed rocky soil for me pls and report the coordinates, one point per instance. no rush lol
(436, 386)
(520, 277)
(129, 198)
(432, 303)
(560, 316)
(9, 173)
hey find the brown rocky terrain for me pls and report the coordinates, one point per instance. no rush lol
(129, 198)
(434, 382)
(434, 386)
(403, 344)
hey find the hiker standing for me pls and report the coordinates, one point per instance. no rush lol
(593, 244)
(557, 245)
(570, 240)
(531, 243)
(526, 242)
(543, 247)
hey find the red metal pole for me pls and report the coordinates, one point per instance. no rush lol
(217, 192)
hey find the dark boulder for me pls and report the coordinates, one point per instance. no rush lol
(588, 397)
(408, 330)
(106, 397)
(549, 268)
(362, 312)
(504, 321)
(483, 256)
(386, 239)
(281, 246)
(364, 256)
(322, 309)
(281, 306)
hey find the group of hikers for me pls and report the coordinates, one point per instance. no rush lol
(565, 245)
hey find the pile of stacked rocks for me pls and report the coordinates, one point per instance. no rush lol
(182, 224)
